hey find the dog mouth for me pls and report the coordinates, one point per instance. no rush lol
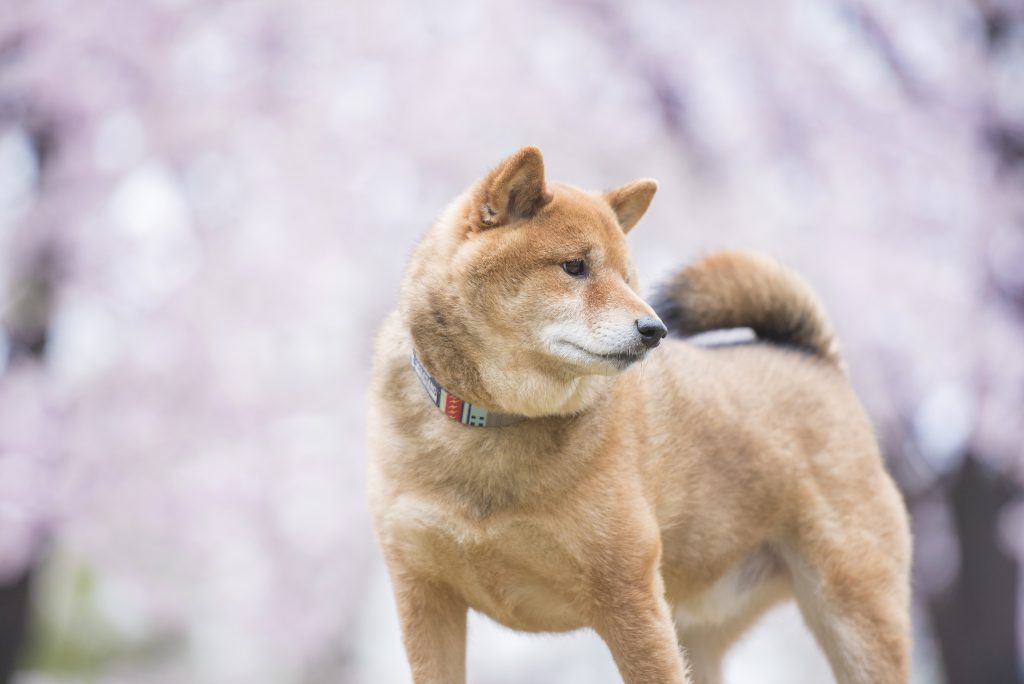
(619, 359)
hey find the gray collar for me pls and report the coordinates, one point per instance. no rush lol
(459, 410)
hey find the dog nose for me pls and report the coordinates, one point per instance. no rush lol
(651, 331)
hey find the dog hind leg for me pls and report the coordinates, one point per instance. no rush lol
(859, 618)
(706, 644)
(704, 650)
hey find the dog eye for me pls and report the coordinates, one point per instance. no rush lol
(576, 268)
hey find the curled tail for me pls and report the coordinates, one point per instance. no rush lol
(744, 290)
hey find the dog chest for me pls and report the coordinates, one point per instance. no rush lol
(512, 570)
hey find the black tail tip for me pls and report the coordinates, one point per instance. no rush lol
(668, 308)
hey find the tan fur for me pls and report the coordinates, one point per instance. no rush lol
(662, 503)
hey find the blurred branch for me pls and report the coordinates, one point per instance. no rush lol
(26, 317)
(999, 17)
(881, 42)
(1007, 142)
(666, 93)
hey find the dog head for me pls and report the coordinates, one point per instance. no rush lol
(523, 295)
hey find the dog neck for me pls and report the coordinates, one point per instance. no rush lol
(457, 409)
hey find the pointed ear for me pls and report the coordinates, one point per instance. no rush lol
(631, 201)
(514, 190)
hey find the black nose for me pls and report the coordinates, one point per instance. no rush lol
(651, 330)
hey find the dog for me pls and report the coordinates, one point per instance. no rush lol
(539, 454)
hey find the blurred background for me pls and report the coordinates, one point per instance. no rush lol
(205, 210)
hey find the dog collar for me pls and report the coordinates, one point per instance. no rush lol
(459, 410)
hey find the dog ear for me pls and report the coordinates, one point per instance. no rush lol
(631, 201)
(514, 190)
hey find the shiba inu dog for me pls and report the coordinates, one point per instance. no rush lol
(541, 455)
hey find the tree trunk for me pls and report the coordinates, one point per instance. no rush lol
(975, 619)
(14, 608)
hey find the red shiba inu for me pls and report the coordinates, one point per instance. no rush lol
(541, 455)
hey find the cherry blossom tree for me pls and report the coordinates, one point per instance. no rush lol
(206, 207)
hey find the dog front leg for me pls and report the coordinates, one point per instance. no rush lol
(434, 630)
(642, 639)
